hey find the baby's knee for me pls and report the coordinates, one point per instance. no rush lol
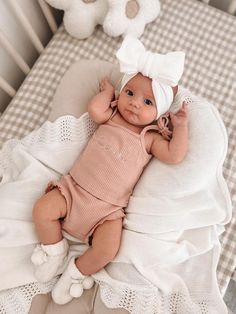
(39, 211)
(42, 210)
(50, 207)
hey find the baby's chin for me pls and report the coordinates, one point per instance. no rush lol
(131, 117)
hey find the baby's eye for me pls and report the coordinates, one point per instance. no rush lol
(148, 102)
(129, 92)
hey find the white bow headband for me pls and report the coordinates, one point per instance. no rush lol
(165, 70)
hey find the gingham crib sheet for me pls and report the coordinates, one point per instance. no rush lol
(207, 35)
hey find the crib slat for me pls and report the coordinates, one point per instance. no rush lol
(234, 276)
(13, 53)
(48, 15)
(7, 87)
(26, 25)
(232, 7)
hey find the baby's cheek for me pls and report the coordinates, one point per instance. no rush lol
(153, 112)
(149, 115)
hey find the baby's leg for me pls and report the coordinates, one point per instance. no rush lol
(49, 256)
(46, 214)
(105, 246)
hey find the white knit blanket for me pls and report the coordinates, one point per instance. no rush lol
(170, 248)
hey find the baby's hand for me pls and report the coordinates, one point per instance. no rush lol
(106, 86)
(180, 118)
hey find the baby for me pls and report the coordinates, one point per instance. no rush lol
(89, 202)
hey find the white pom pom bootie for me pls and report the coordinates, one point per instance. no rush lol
(71, 284)
(49, 259)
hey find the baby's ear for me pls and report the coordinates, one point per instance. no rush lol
(175, 90)
(117, 94)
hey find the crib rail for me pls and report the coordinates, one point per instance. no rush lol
(9, 47)
(226, 5)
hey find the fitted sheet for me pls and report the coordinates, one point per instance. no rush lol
(206, 34)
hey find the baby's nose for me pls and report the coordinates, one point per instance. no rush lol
(136, 103)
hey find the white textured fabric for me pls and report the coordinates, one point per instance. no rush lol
(26, 166)
(165, 70)
(172, 225)
(18, 301)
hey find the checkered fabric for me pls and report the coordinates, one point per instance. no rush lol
(207, 35)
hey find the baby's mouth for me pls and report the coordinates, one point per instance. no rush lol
(130, 111)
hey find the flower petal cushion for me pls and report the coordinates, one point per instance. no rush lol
(129, 16)
(81, 16)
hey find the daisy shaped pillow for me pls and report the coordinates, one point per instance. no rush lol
(129, 16)
(81, 16)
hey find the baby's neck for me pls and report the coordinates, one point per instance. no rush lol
(120, 120)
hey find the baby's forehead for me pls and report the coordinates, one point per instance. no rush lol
(141, 78)
(140, 82)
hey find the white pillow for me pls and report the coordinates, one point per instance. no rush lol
(79, 84)
(193, 193)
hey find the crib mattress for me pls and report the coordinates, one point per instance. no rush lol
(207, 35)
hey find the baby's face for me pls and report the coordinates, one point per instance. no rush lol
(136, 102)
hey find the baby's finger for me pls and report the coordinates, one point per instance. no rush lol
(102, 84)
(106, 80)
(185, 105)
(181, 109)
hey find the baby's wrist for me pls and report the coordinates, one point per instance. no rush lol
(109, 93)
(180, 126)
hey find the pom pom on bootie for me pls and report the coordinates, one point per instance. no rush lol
(71, 284)
(49, 259)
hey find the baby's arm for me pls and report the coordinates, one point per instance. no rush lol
(175, 150)
(99, 107)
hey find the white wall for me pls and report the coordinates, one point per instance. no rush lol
(12, 28)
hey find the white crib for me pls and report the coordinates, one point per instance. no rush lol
(33, 32)
(208, 36)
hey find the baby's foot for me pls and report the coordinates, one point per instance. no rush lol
(48, 259)
(71, 284)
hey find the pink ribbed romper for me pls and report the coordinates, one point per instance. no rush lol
(102, 179)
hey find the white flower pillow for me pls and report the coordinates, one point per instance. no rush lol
(117, 17)
(129, 16)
